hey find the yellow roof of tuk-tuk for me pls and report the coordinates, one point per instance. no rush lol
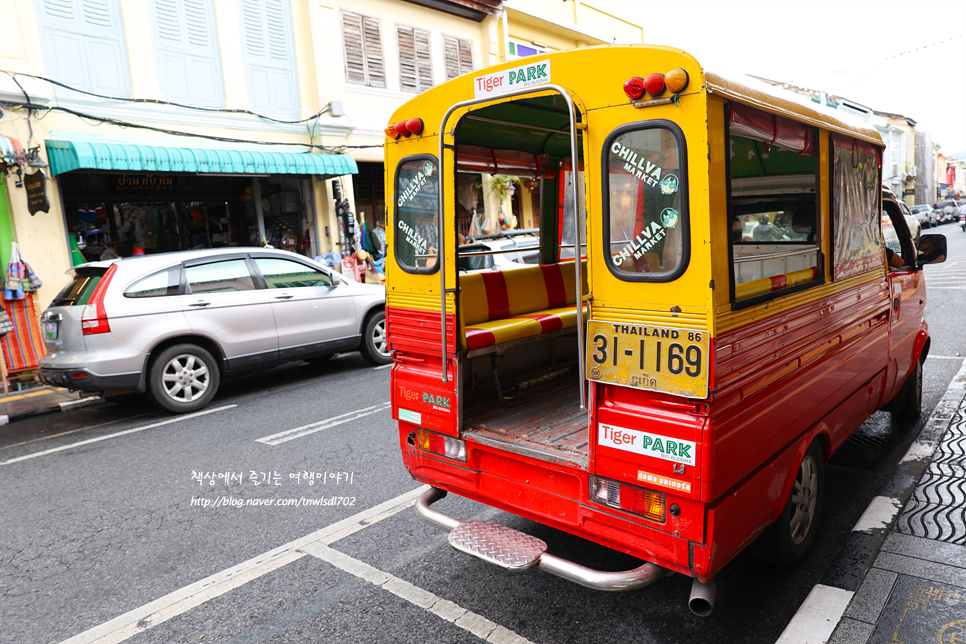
(729, 85)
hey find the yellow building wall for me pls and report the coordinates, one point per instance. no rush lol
(320, 76)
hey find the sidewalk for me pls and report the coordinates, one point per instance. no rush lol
(901, 578)
(40, 400)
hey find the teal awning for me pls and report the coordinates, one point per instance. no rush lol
(65, 156)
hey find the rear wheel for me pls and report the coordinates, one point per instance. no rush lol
(375, 342)
(788, 541)
(912, 405)
(183, 378)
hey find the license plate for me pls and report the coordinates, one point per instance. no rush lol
(642, 356)
(51, 329)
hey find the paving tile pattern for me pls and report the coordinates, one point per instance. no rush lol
(937, 509)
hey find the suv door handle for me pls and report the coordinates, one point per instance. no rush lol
(200, 304)
(284, 296)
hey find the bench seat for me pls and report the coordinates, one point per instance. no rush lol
(487, 334)
(504, 306)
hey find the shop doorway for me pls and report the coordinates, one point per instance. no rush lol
(120, 215)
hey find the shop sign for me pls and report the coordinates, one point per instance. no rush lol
(144, 183)
(36, 185)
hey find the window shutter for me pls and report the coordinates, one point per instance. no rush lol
(186, 52)
(275, 21)
(268, 57)
(466, 56)
(169, 22)
(424, 62)
(59, 9)
(196, 18)
(451, 54)
(373, 43)
(408, 77)
(84, 44)
(97, 13)
(252, 26)
(355, 60)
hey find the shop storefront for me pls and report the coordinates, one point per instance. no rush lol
(125, 199)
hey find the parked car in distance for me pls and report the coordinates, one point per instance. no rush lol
(500, 254)
(925, 215)
(912, 222)
(948, 210)
(173, 324)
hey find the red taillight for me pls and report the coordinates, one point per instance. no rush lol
(94, 317)
(439, 444)
(401, 129)
(646, 503)
(654, 84)
(415, 126)
(634, 88)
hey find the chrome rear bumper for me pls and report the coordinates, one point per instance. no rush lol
(516, 551)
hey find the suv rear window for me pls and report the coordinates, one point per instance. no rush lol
(78, 291)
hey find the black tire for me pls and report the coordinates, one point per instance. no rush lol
(789, 539)
(177, 375)
(912, 404)
(375, 343)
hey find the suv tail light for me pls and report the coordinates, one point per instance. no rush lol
(630, 498)
(94, 317)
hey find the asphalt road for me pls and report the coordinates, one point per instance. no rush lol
(108, 513)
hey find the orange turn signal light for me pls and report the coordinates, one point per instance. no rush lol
(676, 80)
(391, 132)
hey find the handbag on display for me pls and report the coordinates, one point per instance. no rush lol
(6, 324)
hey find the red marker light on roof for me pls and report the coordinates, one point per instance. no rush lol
(676, 80)
(634, 88)
(654, 84)
(391, 132)
(401, 129)
(415, 126)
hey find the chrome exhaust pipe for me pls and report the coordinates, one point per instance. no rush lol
(701, 602)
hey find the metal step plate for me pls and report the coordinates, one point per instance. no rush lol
(497, 544)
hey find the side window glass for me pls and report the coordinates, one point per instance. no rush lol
(416, 223)
(284, 273)
(773, 213)
(219, 277)
(646, 190)
(855, 207)
(160, 284)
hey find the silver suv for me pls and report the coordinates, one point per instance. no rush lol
(173, 324)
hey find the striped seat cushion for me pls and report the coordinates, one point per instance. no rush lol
(487, 334)
(501, 306)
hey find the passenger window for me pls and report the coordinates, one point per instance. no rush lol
(284, 273)
(773, 213)
(219, 277)
(646, 221)
(855, 207)
(416, 225)
(160, 284)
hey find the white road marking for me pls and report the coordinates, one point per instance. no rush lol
(443, 608)
(385, 366)
(880, 513)
(124, 433)
(947, 288)
(817, 616)
(960, 358)
(175, 603)
(305, 430)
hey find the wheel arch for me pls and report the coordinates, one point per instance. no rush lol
(206, 343)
